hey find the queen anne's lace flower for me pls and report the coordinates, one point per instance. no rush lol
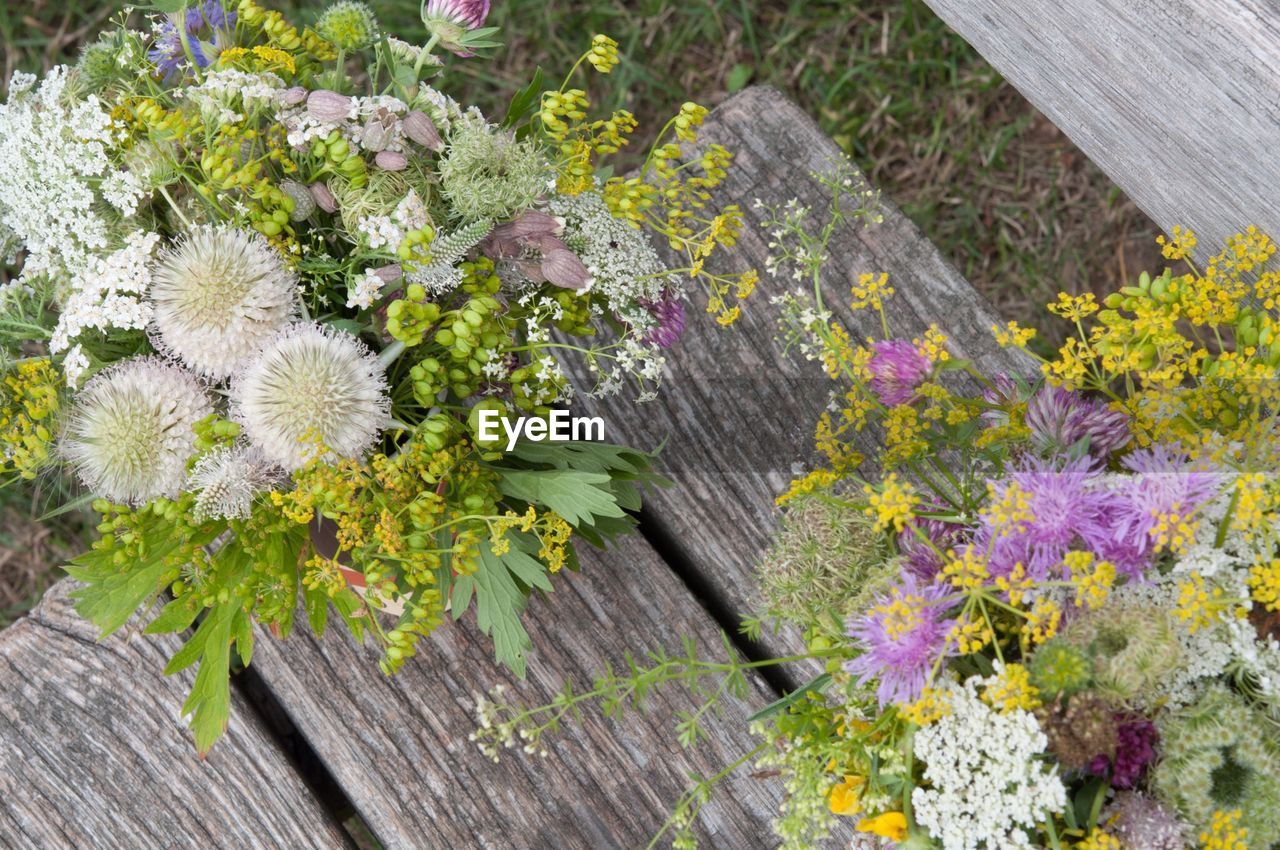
(986, 780)
(109, 292)
(131, 430)
(219, 295)
(311, 390)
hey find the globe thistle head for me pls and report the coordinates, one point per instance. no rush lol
(131, 430)
(219, 294)
(226, 480)
(348, 25)
(311, 389)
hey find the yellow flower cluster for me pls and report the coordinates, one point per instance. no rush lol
(1225, 832)
(1012, 691)
(871, 290)
(1264, 582)
(1093, 579)
(1201, 605)
(1099, 840)
(932, 705)
(891, 506)
(30, 398)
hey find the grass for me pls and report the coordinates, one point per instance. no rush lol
(989, 180)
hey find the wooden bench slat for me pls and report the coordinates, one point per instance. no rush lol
(398, 746)
(1177, 100)
(93, 753)
(736, 412)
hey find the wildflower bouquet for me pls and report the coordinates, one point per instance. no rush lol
(1049, 619)
(273, 281)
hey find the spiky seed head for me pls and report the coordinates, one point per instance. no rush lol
(226, 480)
(349, 25)
(131, 430)
(311, 388)
(219, 294)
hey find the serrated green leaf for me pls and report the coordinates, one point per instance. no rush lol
(316, 601)
(576, 495)
(209, 703)
(499, 604)
(177, 616)
(243, 632)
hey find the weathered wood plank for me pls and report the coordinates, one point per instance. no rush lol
(1177, 100)
(736, 412)
(398, 746)
(93, 753)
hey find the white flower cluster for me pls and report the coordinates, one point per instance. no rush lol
(225, 95)
(364, 290)
(109, 292)
(227, 480)
(623, 264)
(388, 231)
(52, 156)
(987, 783)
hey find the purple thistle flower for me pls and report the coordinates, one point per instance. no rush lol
(1165, 492)
(923, 560)
(207, 19)
(1067, 508)
(1059, 418)
(902, 637)
(449, 20)
(897, 368)
(669, 312)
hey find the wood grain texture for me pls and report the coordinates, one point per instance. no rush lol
(93, 753)
(735, 411)
(399, 748)
(1177, 100)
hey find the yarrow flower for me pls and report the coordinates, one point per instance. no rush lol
(311, 385)
(902, 637)
(897, 368)
(1060, 418)
(131, 430)
(219, 295)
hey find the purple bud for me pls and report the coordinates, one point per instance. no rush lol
(421, 129)
(563, 268)
(324, 198)
(329, 106)
(390, 161)
(293, 96)
(897, 368)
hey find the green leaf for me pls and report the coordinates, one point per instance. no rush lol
(523, 102)
(580, 454)
(739, 76)
(577, 496)
(109, 596)
(243, 631)
(500, 601)
(209, 703)
(317, 605)
(815, 685)
(177, 616)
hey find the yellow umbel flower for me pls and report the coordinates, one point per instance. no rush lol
(1264, 581)
(892, 506)
(1099, 840)
(932, 705)
(1200, 605)
(871, 290)
(1180, 246)
(1011, 335)
(1074, 308)
(1012, 690)
(1225, 832)
(1093, 579)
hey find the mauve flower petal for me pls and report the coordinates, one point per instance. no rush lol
(293, 96)
(389, 274)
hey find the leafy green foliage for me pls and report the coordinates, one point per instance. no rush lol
(501, 587)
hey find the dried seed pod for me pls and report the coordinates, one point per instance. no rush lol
(324, 198)
(329, 106)
(391, 161)
(421, 129)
